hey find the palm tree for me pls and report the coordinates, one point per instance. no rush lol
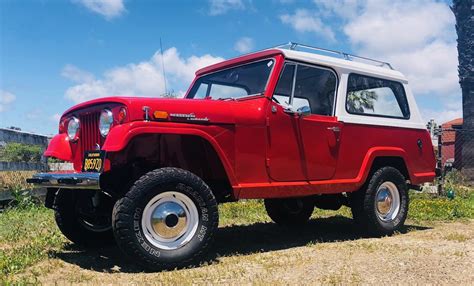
(358, 101)
(464, 12)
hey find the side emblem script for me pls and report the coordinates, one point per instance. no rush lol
(188, 116)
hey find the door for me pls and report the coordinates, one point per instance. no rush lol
(285, 158)
(311, 127)
(320, 130)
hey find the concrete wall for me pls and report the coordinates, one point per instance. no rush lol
(15, 136)
(23, 166)
(9, 135)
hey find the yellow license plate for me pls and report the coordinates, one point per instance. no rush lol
(93, 161)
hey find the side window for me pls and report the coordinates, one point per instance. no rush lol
(285, 86)
(314, 87)
(379, 97)
(202, 91)
(317, 86)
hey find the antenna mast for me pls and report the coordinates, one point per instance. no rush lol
(163, 65)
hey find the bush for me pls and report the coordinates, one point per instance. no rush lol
(428, 207)
(456, 181)
(18, 152)
(14, 180)
(15, 183)
(55, 160)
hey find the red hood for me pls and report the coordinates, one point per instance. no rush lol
(216, 111)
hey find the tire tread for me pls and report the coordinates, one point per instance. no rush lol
(121, 215)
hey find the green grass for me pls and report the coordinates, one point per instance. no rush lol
(28, 235)
(243, 212)
(426, 207)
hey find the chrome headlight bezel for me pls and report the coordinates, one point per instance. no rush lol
(73, 127)
(106, 120)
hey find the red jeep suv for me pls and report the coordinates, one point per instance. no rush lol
(298, 126)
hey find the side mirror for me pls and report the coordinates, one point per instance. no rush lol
(290, 111)
(304, 111)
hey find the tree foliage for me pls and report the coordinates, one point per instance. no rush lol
(358, 101)
(169, 94)
(18, 152)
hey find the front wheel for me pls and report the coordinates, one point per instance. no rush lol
(382, 207)
(82, 219)
(166, 220)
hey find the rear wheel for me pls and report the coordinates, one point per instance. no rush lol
(166, 220)
(84, 217)
(382, 207)
(291, 211)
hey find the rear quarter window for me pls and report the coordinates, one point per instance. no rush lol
(376, 97)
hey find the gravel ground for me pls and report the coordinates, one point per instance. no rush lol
(326, 251)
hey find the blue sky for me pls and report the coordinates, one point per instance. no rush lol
(54, 54)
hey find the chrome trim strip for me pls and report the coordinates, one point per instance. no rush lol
(66, 180)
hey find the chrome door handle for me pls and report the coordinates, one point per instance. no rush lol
(334, 129)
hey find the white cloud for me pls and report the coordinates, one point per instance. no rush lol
(76, 74)
(107, 8)
(244, 45)
(416, 37)
(6, 98)
(139, 79)
(400, 26)
(431, 69)
(441, 116)
(305, 21)
(219, 7)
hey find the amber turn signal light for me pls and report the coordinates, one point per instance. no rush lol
(160, 115)
(122, 115)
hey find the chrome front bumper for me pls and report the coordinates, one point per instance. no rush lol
(89, 181)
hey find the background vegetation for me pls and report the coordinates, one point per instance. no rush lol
(19, 152)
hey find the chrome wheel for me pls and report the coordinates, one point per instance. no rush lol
(170, 220)
(387, 201)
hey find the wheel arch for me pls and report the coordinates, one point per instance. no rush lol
(396, 162)
(192, 152)
(380, 157)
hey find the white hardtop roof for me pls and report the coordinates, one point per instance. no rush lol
(386, 72)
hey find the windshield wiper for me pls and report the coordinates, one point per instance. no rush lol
(234, 98)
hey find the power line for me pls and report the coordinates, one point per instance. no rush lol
(163, 65)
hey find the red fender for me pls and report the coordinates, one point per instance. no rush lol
(60, 148)
(121, 135)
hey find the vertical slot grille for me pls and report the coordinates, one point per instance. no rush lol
(90, 131)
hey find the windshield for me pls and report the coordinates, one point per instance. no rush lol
(241, 81)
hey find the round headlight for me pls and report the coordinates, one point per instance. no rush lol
(105, 122)
(73, 128)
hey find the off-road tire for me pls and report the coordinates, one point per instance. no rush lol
(289, 211)
(363, 203)
(68, 221)
(128, 211)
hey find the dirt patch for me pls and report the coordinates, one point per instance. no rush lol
(326, 251)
